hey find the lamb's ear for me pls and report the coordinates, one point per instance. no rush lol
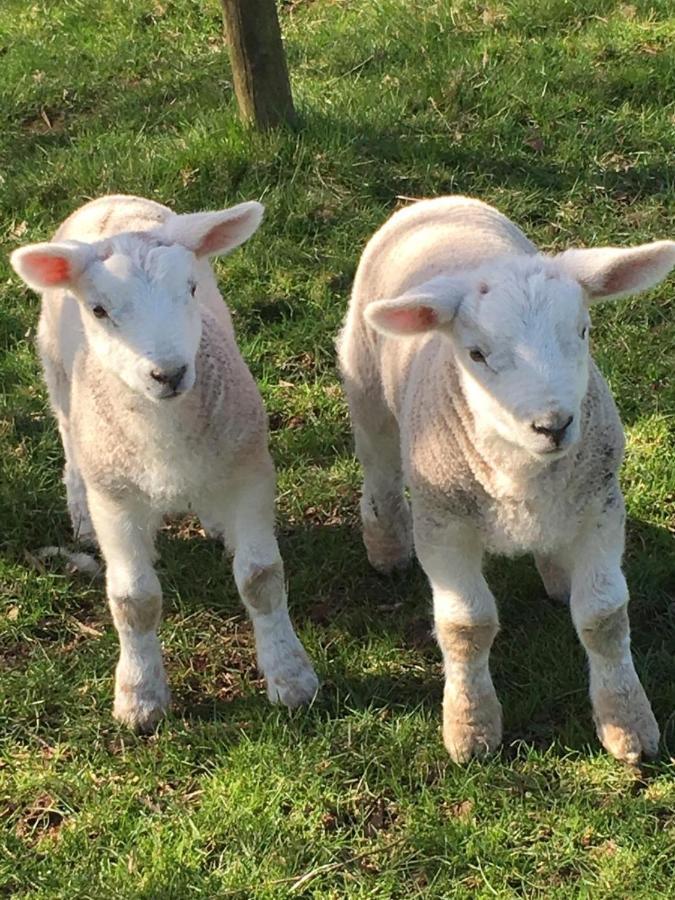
(608, 272)
(215, 233)
(56, 265)
(428, 306)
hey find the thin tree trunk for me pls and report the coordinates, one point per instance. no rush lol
(258, 62)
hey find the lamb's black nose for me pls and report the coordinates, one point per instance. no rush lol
(553, 428)
(170, 377)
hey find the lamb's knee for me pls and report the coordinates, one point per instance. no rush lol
(601, 614)
(606, 632)
(136, 604)
(466, 642)
(261, 585)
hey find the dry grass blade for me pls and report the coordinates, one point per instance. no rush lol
(296, 883)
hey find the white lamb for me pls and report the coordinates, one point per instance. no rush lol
(466, 365)
(158, 413)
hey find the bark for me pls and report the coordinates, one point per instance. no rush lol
(259, 68)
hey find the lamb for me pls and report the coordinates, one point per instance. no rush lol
(466, 365)
(158, 413)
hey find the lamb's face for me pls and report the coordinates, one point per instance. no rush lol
(142, 319)
(520, 339)
(519, 331)
(137, 290)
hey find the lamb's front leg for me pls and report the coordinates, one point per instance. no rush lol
(126, 536)
(599, 603)
(259, 576)
(466, 622)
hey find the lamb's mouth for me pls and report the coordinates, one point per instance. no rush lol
(172, 394)
(553, 452)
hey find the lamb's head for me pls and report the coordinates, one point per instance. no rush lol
(137, 292)
(519, 331)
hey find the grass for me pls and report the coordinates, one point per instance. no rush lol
(561, 114)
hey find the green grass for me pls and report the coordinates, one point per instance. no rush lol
(562, 114)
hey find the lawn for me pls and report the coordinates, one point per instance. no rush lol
(561, 114)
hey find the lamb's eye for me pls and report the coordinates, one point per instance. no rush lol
(99, 312)
(477, 355)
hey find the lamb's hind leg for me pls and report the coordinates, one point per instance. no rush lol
(385, 512)
(555, 576)
(126, 534)
(76, 496)
(245, 515)
(623, 717)
(76, 492)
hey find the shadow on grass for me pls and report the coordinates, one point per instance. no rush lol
(538, 665)
(179, 102)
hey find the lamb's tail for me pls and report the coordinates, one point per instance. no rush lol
(82, 563)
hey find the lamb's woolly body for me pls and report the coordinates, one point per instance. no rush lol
(130, 458)
(519, 504)
(420, 419)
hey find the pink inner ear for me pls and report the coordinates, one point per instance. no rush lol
(625, 275)
(50, 270)
(412, 318)
(219, 238)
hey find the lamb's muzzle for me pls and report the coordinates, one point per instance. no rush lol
(554, 427)
(171, 378)
(465, 361)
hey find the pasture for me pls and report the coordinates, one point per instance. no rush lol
(560, 114)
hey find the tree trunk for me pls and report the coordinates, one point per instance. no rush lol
(258, 62)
